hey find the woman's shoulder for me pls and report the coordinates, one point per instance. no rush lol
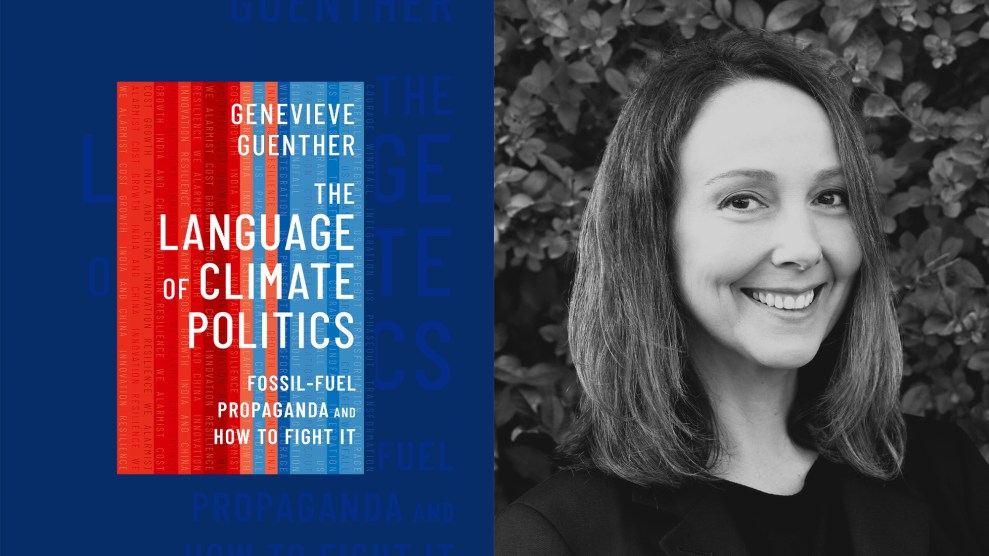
(943, 465)
(557, 494)
(939, 447)
(572, 512)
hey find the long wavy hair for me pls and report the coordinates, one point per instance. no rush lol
(644, 415)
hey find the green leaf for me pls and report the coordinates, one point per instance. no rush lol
(841, 30)
(968, 152)
(514, 9)
(951, 247)
(978, 226)
(518, 202)
(502, 196)
(557, 247)
(865, 46)
(984, 31)
(910, 152)
(808, 36)
(710, 22)
(544, 374)
(942, 28)
(616, 80)
(544, 8)
(855, 9)
(914, 93)
(611, 18)
(535, 182)
(788, 14)
(924, 299)
(556, 26)
(509, 367)
(749, 14)
(960, 22)
(568, 114)
(591, 19)
(504, 407)
(887, 172)
(540, 77)
(554, 167)
(963, 6)
(890, 65)
(879, 106)
(929, 242)
(552, 415)
(723, 8)
(937, 325)
(900, 202)
(511, 174)
(649, 18)
(979, 361)
(916, 399)
(527, 398)
(603, 53)
(582, 72)
(964, 273)
(551, 332)
(500, 336)
(965, 38)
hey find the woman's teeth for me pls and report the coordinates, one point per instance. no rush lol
(782, 301)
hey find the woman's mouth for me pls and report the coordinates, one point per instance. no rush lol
(787, 301)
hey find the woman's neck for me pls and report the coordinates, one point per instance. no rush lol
(751, 404)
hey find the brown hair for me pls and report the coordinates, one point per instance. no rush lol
(644, 415)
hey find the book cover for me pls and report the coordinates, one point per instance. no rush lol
(240, 278)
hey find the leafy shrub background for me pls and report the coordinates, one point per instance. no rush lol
(562, 70)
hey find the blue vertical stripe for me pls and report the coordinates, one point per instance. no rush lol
(258, 171)
(352, 359)
(284, 353)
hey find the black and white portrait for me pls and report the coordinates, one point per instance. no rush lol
(744, 352)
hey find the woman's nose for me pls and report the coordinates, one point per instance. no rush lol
(797, 244)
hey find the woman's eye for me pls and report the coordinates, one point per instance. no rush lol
(835, 199)
(741, 203)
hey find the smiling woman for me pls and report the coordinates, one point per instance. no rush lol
(762, 225)
(733, 330)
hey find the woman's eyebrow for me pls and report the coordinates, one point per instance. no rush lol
(764, 175)
(829, 175)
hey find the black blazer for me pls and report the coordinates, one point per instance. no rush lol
(939, 506)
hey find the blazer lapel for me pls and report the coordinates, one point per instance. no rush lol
(705, 529)
(884, 518)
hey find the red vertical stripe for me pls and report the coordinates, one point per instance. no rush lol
(211, 144)
(196, 258)
(184, 454)
(161, 168)
(247, 305)
(271, 258)
(144, 378)
(167, 384)
(220, 305)
(233, 258)
(125, 296)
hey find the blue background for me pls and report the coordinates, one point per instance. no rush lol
(60, 66)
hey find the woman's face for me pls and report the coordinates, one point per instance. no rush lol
(765, 249)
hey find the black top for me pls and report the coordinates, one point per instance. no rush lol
(938, 506)
(794, 525)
